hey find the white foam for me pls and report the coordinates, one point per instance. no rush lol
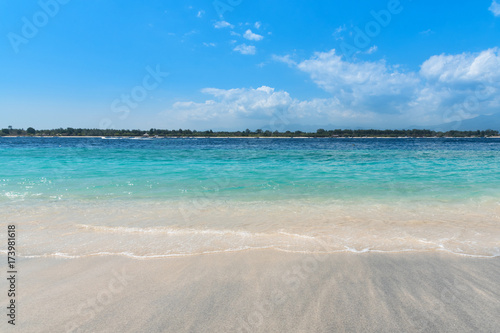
(156, 230)
(167, 230)
(241, 249)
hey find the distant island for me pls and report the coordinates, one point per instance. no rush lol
(320, 133)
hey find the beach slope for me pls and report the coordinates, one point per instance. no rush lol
(259, 291)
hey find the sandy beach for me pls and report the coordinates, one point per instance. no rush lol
(259, 291)
(250, 166)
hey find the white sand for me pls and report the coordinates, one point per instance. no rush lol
(259, 291)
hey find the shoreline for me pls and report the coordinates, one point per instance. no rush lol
(129, 255)
(246, 137)
(260, 292)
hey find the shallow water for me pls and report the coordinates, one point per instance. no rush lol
(165, 197)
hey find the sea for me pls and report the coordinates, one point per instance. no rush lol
(167, 197)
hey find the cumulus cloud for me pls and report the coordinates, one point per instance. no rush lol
(495, 8)
(360, 84)
(263, 107)
(464, 84)
(463, 68)
(232, 104)
(363, 93)
(245, 49)
(223, 24)
(252, 36)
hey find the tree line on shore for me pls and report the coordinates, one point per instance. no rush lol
(320, 133)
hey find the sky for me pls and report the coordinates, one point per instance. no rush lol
(237, 64)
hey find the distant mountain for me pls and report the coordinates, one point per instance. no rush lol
(477, 123)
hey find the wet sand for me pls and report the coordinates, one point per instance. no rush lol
(258, 291)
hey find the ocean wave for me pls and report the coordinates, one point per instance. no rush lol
(494, 253)
(166, 230)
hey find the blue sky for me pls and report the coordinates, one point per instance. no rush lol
(236, 64)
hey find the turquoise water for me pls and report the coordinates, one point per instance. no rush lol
(194, 196)
(248, 169)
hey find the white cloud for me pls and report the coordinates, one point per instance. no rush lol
(223, 24)
(263, 107)
(355, 79)
(495, 8)
(365, 94)
(426, 32)
(209, 44)
(372, 49)
(245, 49)
(284, 59)
(192, 32)
(200, 14)
(447, 87)
(338, 32)
(234, 103)
(252, 36)
(463, 68)
(257, 25)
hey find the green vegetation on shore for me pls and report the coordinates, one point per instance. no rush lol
(320, 133)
